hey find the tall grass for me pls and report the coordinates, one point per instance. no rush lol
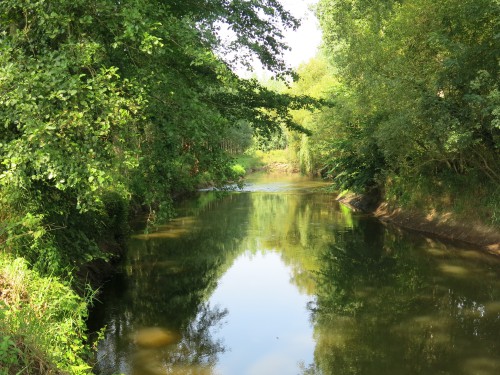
(42, 323)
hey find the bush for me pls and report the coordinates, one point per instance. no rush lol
(238, 171)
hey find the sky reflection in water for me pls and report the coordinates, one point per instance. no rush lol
(280, 280)
(268, 323)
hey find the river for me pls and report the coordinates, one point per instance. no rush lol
(281, 279)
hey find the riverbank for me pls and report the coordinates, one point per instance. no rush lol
(443, 225)
(274, 161)
(42, 323)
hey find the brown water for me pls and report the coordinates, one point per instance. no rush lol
(280, 279)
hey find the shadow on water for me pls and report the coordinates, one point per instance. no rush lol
(163, 291)
(379, 301)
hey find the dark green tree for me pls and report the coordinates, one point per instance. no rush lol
(416, 107)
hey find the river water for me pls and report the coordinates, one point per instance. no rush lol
(281, 279)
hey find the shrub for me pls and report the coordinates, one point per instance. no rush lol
(238, 171)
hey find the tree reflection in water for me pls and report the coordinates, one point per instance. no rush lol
(195, 353)
(382, 302)
(383, 307)
(166, 282)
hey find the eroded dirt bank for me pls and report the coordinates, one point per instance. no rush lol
(438, 224)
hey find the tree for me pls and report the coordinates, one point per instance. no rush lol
(417, 100)
(103, 101)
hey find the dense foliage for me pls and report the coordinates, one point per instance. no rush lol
(416, 92)
(106, 102)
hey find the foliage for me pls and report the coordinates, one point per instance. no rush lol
(238, 139)
(238, 170)
(250, 161)
(275, 141)
(42, 323)
(316, 80)
(415, 88)
(107, 104)
(134, 99)
(278, 156)
(427, 77)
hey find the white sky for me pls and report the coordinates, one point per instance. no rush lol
(306, 40)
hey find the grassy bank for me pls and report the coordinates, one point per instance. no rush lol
(463, 208)
(42, 323)
(257, 160)
(469, 198)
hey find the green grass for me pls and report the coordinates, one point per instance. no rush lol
(256, 160)
(249, 162)
(275, 156)
(42, 323)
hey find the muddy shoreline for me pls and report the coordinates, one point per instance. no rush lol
(440, 225)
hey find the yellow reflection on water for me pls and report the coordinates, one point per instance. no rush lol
(151, 362)
(175, 228)
(481, 366)
(492, 308)
(336, 335)
(154, 337)
(168, 233)
(150, 357)
(454, 270)
(436, 252)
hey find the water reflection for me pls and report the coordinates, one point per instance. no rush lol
(383, 307)
(267, 330)
(287, 282)
(164, 285)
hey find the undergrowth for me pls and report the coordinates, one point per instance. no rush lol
(253, 160)
(42, 323)
(249, 161)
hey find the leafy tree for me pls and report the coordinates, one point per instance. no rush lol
(103, 102)
(416, 98)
